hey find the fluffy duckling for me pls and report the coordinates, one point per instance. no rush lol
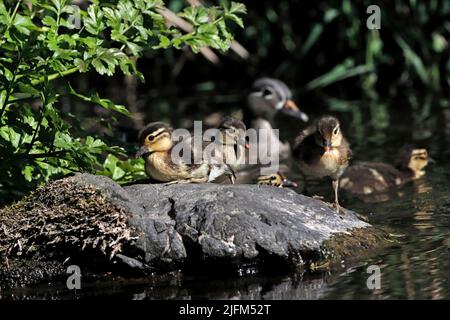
(233, 142)
(373, 177)
(322, 151)
(156, 146)
(267, 98)
(277, 180)
(227, 147)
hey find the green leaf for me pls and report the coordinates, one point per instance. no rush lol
(49, 21)
(106, 60)
(342, 71)
(105, 103)
(63, 140)
(413, 59)
(313, 36)
(238, 8)
(27, 172)
(93, 22)
(164, 42)
(10, 135)
(439, 42)
(23, 24)
(235, 19)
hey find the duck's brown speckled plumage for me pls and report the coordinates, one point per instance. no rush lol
(314, 161)
(156, 148)
(366, 178)
(322, 151)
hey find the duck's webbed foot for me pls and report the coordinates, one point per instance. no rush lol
(337, 207)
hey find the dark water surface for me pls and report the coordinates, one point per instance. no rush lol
(415, 266)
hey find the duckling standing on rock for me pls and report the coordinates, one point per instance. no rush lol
(277, 180)
(371, 177)
(322, 151)
(156, 146)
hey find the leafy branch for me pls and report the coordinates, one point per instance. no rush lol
(42, 42)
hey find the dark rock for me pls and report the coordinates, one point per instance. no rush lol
(182, 226)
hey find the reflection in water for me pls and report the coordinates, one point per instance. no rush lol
(296, 286)
(406, 268)
(419, 267)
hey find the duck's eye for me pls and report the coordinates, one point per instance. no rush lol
(336, 130)
(273, 178)
(150, 138)
(267, 94)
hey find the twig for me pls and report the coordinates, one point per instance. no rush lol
(38, 155)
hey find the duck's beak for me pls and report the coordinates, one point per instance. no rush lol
(289, 183)
(142, 151)
(327, 145)
(290, 108)
(244, 143)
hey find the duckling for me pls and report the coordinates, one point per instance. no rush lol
(373, 177)
(322, 151)
(233, 142)
(228, 147)
(269, 96)
(277, 180)
(156, 146)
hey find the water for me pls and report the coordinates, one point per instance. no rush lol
(415, 266)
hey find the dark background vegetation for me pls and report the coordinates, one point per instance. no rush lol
(323, 50)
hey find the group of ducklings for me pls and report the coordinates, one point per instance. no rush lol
(320, 149)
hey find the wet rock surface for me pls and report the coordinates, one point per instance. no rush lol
(184, 226)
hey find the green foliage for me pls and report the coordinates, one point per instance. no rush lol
(123, 171)
(332, 49)
(41, 41)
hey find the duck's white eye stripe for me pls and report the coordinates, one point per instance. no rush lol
(256, 93)
(157, 132)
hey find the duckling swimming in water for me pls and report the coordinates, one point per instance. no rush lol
(367, 178)
(322, 151)
(156, 145)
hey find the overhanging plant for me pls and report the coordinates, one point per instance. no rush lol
(44, 41)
